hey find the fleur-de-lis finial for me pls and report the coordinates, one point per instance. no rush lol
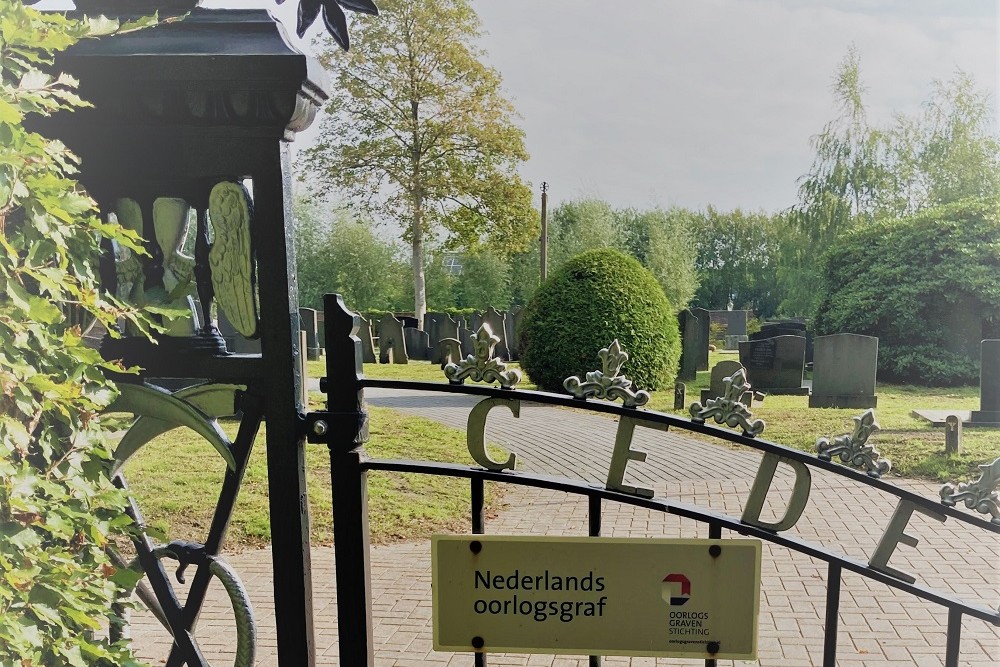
(727, 409)
(608, 383)
(983, 495)
(854, 448)
(483, 366)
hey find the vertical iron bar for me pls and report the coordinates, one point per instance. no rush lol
(594, 530)
(714, 533)
(832, 615)
(478, 506)
(291, 560)
(345, 438)
(478, 528)
(954, 645)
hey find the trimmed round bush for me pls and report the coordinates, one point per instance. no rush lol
(591, 300)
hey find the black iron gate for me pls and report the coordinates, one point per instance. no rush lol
(343, 428)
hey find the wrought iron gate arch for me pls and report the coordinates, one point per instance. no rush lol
(343, 428)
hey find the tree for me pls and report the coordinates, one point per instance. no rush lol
(418, 132)
(846, 179)
(334, 253)
(581, 225)
(927, 285)
(58, 508)
(663, 241)
(737, 257)
(484, 282)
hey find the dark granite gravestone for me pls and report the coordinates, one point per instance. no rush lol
(409, 322)
(444, 327)
(733, 342)
(775, 365)
(735, 321)
(496, 321)
(367, 340)
(717, 387)
(307, 323)
(432, 323)
(417, 344)
(321, 331)
(989, 384)
(680, 390)
(844, 369)
(690, 331)
(704, 335)
(510, 337)
(786, 328)
(391, 341)
(235, 341)
(518, 316)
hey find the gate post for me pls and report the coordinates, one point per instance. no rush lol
(346, 431)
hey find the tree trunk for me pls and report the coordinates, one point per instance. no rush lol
(419, 285)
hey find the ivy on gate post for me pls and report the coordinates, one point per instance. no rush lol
(58, 508)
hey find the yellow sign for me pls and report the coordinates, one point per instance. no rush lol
(596, 596)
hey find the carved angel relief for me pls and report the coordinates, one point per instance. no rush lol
(231, 256)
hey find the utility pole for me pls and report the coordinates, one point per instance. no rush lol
(545, 230)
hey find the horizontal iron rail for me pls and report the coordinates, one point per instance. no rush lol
(653, 416)
(684, 510)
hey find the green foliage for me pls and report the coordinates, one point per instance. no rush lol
(58, 508)
(737, 257)
(419, 133)
(862, 173)
(334, 253)
(911, 282)
(591, 300)
(484, 282)
(662, 240)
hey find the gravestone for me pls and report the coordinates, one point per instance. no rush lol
(432, 323)
(307, 323)
(786, 328)
(953, 434)
(844, 370)
(235, 341)
(517, 315)
(465, 339)
(510, 337)
(680, 389)
(735, 321)
(989, 384)
(444, 328)
(775, 365)
(690, 331)
(496, 321)
(391, 341)
(409, 322)
(367, 340)
(450, 351)
(704, 335)
(716, 386)
(417, 344)
(321, 331)
(733, 342)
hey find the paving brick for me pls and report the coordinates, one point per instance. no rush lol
(878, 624)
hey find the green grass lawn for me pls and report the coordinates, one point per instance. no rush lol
(914, 446)
(176, 479)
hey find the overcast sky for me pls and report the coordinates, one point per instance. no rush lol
(663, 102)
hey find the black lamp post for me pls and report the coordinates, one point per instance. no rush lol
(189, 127)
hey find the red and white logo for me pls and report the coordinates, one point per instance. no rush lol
(676, 589)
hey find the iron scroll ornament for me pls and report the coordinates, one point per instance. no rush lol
(309, 10)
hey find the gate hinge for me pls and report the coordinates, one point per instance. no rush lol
(335, 428)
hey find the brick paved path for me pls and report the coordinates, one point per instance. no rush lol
(878, 625)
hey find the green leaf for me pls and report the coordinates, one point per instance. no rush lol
(44, 311)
